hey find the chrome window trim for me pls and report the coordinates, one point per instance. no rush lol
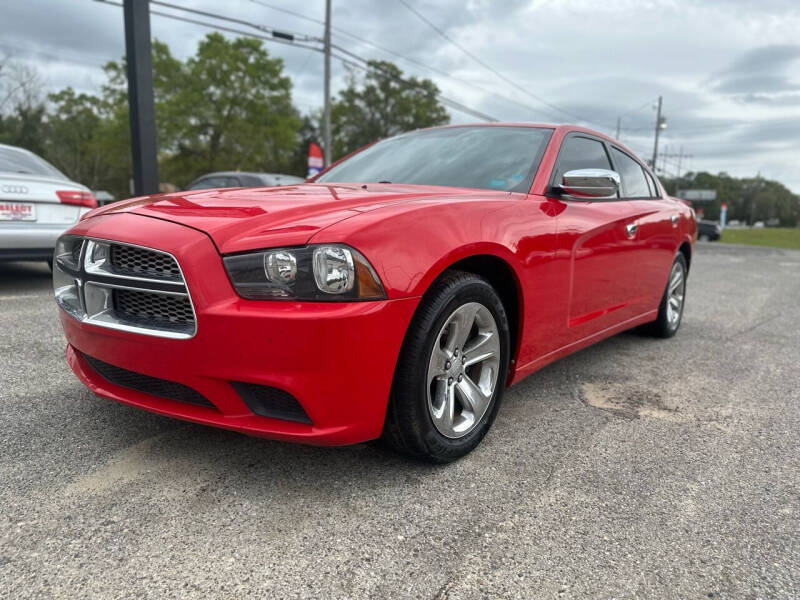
(106, 318)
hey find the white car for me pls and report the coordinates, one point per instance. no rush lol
(37, 204)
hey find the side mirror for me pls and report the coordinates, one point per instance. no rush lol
(589, 184)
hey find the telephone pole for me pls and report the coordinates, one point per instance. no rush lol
(659, 127)
(619, 122)
(141, 106)
(326, 126)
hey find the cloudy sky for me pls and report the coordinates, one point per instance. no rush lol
(728, 70)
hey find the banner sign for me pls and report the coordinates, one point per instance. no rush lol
(315, 161)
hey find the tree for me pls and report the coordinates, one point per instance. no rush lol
(748, 199)
(382, 104)
(229, 107)
(22, 110)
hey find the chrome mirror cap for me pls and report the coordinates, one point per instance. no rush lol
(589, 184)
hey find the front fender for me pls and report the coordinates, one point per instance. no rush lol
(410, 245)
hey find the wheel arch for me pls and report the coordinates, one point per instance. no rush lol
(686, 249)
(503, 277)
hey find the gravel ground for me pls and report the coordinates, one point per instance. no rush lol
(636, 468)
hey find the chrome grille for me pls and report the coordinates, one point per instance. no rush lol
(140, 262)
(123, 286)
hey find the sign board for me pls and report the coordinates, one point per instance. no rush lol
(697, 195)
(315, 160)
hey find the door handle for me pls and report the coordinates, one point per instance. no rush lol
(632, 228)
(674, 219)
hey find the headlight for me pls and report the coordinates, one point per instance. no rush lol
(325, 272)
(66, 263)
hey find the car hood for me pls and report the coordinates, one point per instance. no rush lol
(240, 219)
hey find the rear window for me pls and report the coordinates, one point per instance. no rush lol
(218, 181)
(18, 161)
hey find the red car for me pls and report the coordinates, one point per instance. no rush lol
(395, 295)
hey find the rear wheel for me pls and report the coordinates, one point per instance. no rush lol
(670, 311)
(451, 372)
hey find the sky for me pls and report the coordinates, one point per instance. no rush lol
(728, 70)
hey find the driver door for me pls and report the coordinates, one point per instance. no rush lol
(599, 239)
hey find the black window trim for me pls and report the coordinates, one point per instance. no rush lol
(649, 178)
(551, 185)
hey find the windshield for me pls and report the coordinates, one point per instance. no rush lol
(491, 158)
(17, 161)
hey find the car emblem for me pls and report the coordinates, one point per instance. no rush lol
(14, 189)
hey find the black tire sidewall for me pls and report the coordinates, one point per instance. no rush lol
(668, 329)
(413, 390)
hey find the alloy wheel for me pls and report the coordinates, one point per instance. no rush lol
(676, 291)
(462, 370)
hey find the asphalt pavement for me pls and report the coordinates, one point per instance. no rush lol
(638, 468)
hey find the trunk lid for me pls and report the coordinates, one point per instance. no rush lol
(21, 190)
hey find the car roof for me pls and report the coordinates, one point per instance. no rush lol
(253, 173)
(554, 126)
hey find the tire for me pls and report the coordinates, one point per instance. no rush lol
(669, 321)
(704, 237)
(430, 413)
(50, 264)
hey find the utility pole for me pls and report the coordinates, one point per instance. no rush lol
(680, 159)
(658, 130)
(328, 151)
(619, 122)
(141, 106)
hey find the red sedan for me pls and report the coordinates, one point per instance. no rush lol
(395, 295)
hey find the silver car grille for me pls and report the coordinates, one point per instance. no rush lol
(123, 286)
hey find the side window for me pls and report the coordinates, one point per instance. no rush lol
(653, 185)
(634, 184)
(581, 153)
(232, 182)
(208, 183)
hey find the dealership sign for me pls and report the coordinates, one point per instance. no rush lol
(697, 195)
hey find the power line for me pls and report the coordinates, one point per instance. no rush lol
(443, 99)
(340, 31)
(269, 30)
(277, 40)
(289, 12)
(488, 67)
(449, 102)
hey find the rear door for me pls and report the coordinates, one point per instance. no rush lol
(657, 231)
(600, 239)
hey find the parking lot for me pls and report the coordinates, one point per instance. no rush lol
(635, 468)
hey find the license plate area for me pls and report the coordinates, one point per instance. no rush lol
(17, 211)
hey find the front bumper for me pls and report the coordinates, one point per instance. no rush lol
(336, 359)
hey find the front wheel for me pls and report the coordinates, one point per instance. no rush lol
(451, 372)
(670, 311)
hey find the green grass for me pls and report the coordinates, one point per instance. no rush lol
(776, 237)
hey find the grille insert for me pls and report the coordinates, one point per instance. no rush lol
(266, 401)
(142, 262)
(124, 287)
(154, 386)
(148, 306)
